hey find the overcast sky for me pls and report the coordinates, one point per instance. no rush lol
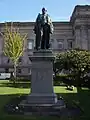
(27, 10)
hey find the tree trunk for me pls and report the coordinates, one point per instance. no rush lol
(15, 65)
(78, 82)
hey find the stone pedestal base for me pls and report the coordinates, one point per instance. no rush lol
(42, 99)
(42, 78)
(42, 92)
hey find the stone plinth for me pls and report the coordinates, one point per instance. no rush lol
(42, 78)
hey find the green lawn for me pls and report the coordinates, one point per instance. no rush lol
(8, 91)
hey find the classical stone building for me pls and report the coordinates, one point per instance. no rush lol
(67, 35)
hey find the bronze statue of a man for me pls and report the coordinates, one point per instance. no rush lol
(43, 28)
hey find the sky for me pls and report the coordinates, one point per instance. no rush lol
(27, 10)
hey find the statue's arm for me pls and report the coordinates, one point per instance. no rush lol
(36, 23)
(51, 24)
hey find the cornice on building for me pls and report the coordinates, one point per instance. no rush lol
(77, 10)
(26, 25)
(32, 23)
(17, 24)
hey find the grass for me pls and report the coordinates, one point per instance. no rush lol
(8, 91)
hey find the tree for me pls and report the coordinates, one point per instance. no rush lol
(14, 44)
(77, 62)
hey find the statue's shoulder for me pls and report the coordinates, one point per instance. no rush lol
(48, 15)
(39, 15)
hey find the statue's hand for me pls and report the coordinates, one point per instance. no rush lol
(41, 33)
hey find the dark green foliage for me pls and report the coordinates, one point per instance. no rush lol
(77, 62)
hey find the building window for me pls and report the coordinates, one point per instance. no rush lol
(19, 70)
(51, 43)
(6, 70)
(60, 45)
(70, 45)
(30, 44)
(29, 70)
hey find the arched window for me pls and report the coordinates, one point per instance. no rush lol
(30, 44)
(60, 44)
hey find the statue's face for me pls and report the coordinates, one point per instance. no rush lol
(43, 11)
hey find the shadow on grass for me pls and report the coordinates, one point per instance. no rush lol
(16, 98)
(16, 85)
(81, 99)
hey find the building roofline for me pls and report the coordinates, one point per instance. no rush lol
(77, 7)
(32, 23)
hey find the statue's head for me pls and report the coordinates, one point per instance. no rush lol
(44, 10)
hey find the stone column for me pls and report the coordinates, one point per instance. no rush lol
(42, 78)
(65, 44)
(84, 37)
(77, 37)
(89, 38)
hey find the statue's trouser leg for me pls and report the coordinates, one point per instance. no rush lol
(47, 40)
(47, 36)
(43, 43)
